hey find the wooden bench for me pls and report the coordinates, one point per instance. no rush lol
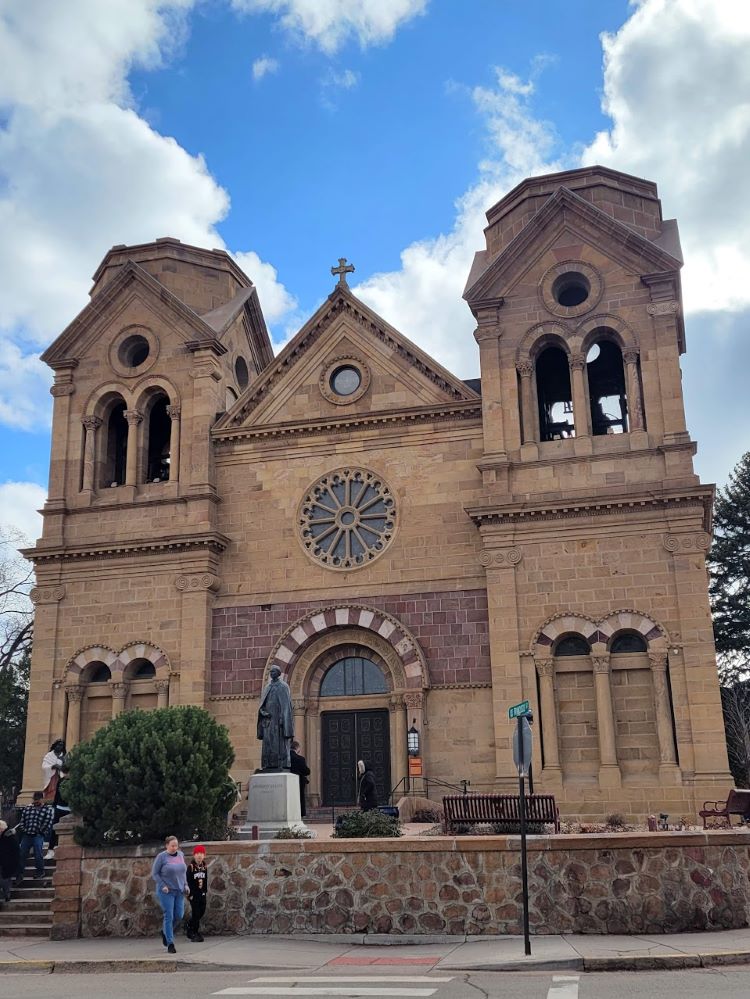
(737, 803)
(501, 809)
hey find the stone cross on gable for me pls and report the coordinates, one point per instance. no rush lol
(342, 270)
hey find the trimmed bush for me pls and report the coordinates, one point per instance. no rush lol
(366, 825)
(148, 774)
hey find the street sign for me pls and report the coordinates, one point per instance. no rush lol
(522, 747)
(518, 709)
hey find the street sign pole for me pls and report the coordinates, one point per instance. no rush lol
(524, 858)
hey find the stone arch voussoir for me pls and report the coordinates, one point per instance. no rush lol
(365, 620)
(599, 632)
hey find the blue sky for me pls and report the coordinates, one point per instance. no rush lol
(292, 132)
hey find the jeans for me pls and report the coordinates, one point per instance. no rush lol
(173, 906)
(37, 844)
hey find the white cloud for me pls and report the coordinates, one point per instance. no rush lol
(332, 85)
(80, 170)
(331, 23)
(19, 503)
(277, 302)
(423, 299)
(677, 88)
(264, 66)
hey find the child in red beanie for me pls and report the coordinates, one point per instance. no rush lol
(197, 881)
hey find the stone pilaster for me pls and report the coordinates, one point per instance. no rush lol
(134, 418)
(668, 769)
(609, 770)
(552, 772)
(198, 590)
(73, 726)
(636, 420)
(174, 413)
(581, 414)
(529, 431)
(91, 425)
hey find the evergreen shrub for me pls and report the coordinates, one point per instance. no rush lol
(148, 774)
(366, 825)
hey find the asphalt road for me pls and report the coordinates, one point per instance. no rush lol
(728, 983)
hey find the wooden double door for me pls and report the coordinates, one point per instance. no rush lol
(348, 736)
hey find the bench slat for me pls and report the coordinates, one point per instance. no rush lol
(495, 808)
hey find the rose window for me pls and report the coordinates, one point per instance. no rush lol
(347, 518)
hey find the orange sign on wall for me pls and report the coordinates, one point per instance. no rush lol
(415, 766)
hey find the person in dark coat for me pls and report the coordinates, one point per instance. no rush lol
(367, 795)
(299, 766)
(10, 860)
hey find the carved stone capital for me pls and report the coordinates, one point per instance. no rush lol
(663, 308)
(173, 412)
(299, 703)
(658, 660)
(47, 594)
(630, 356)
(91, 422)
(62, 388)
(119, 689)
(525, 369)
(577, 362)
(414, 700)
(199, 581)
(133, 416)
(545, 667)
(74, 694)
(600, 664)
(162, 685)
(499, 559)
(395, 701)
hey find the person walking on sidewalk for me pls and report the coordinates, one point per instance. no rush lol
(367, 790)
(169, 872)
(36, 825)
(10, 858)
(197, 882)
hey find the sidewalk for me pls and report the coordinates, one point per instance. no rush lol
(332, 952)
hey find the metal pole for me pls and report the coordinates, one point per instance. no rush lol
(524, 860)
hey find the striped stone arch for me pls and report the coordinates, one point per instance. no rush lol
(299, 635)
(117, 661)
(598, 633)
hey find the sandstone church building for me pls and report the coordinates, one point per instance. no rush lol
(414, 551)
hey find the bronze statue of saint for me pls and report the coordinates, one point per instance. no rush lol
(275, 723)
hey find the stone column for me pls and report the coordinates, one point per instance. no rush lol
(546, 670)
(315, 787)
(581, 415)
(119, 693)
(174, 443)
(299, 706)
(633, 389)
(668, 769)
(73, 727)
(528, 429)
(609, 770)
(131, 467)
(92, 424)
(398, 738)
(162, 692)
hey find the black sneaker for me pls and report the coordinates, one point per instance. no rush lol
(198, 937)
(172, 949)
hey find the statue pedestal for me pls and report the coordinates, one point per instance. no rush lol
(272, 804)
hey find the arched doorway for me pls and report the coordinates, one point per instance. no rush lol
(353, 727)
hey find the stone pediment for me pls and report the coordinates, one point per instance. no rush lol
(564, 213)
(132, 282)
(394, 374)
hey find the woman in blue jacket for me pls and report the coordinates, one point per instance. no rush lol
(169, 873)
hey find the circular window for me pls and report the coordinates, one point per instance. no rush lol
(570, 289)
(346, 380)
(347, 519)
(133, 351)
(241, 372)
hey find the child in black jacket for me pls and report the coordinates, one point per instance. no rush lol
(197, 881)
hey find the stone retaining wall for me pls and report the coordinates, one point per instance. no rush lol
(615, 883)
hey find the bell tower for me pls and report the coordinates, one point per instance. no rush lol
(594, 525)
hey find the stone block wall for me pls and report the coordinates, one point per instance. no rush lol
(655, 883)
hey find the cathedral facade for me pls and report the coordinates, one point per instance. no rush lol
(415, 552)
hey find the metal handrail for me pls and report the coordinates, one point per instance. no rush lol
(408, 789)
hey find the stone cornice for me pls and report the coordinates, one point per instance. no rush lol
(213, 542)
(484, 514)
(449, 413)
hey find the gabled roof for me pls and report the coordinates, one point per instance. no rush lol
(563, 206)
(75, 335)
(342, 301)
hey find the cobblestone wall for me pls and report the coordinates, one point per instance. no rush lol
(604, 884)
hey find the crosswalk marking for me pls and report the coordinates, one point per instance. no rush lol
(564, 987)
(306, 990)
(343, 978)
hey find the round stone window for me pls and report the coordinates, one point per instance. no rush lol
(571, 288)
(347, 519)
(344, 380)
(133, 351)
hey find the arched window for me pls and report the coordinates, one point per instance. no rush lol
(353, 676)
(116, 446)
(607, 393)
(159, 435)
(628, 641)
(572, 645)
(142, 669)
(554, 395)
(99, 673)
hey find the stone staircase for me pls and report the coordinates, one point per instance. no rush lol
(29, 912)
